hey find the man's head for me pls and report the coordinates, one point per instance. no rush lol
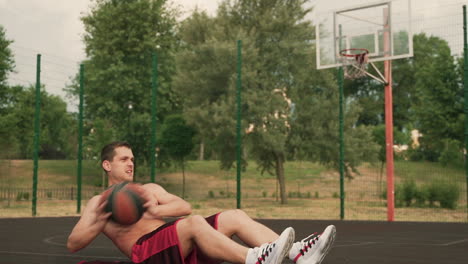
(117, 161)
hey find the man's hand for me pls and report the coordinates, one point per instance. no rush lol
(100, 215)
(91, 223)
(151, 203)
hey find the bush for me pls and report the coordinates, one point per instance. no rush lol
(452, 154)
(422, 196)
(448, 194)
(409, 192)
(19, 196)
(432, 193)
(211, 194)
(415, 154)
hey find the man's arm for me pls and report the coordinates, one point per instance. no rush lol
(161, 204)
(91, 223)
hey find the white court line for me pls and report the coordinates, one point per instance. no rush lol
(57, 255)
(357, 244)
(454, 242)
(48, 240)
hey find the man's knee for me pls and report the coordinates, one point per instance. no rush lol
(231, 221)
(193, 223)
(235, 214)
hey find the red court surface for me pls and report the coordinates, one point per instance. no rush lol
(43, 240)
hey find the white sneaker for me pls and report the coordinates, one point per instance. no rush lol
(272, 253)
(312, 249)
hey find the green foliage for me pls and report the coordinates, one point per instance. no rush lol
(21, 196)
(408, 192)
(58, 135)
(120, 38)
(427, 95)
(8, 130)
(378, 135)
(441, 193)
(452, 153)
(445, 193)
(438, 96)
(275, 51)
(211, 194)
(7, 63)
(177, 137)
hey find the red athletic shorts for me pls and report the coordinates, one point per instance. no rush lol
(162, 246)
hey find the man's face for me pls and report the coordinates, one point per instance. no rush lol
(121, 167)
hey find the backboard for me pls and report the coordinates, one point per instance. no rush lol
(382, 28)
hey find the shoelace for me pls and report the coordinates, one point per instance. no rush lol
(265, 252)
(308, 242)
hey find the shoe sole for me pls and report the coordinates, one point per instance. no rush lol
(288, 235)
(331, 232)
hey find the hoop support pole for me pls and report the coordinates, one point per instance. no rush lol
(389, 125)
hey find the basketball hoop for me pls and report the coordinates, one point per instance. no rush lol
(354, 62)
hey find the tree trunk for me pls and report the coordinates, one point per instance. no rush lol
(280, 175)
(201, 155)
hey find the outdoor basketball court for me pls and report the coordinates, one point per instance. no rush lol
(43, 240)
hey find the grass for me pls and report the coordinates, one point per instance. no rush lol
(312, 190)
(428, 171)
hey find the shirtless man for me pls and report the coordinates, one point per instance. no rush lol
(191, 239)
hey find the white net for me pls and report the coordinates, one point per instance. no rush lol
(354, 62)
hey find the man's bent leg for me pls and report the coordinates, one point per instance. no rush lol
(194, 230)
(237, 222)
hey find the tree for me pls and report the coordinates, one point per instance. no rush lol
(120, 39)
(274, 36)
(277, 77)
(7, 63)
(7, 129)
(205, 70)
(57, 133)
(177, 141)
(427, 94)
(437, 101)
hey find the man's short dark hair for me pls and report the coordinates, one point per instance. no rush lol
(108, 151)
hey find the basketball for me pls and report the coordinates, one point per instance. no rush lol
(125, 203)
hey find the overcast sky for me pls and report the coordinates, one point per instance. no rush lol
(53, 29)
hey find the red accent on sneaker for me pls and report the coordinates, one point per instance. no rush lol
(297, 257)
(307, 246)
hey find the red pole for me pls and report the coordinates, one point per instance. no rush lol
(389, 141)
(389, 121)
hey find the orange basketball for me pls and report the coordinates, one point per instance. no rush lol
(125, 203)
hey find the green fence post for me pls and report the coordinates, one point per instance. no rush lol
(341, 134)
(154, 87)
(239, 118)
(80, 141)
(36, 133)
(465, 87)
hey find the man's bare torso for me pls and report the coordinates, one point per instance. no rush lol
(124, 237)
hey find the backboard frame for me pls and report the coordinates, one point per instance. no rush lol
(375, 55)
